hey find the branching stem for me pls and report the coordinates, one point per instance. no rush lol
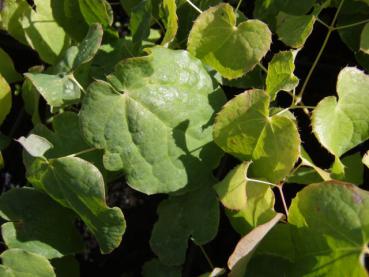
(194, 6)
(280, 188)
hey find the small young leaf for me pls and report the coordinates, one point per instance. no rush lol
(353, 170)
(37, 224)
(244, 129)
(5, 99)
(78, 185)
(364, 41)
(57, 90)
(97, 11)
(294, 30)
(234, 50)
(166, 93)
(304, 176)
(19, 263)
(280, 73)
(154, 268)
(35, 145)
(246, 246)
(170, 9)
(195, 215)
(7, 69)
(341, 125)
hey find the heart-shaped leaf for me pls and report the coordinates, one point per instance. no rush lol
(37, 224)
(342, 124)
(19, 263)
(78, 185)
(167, 93)
(231, 50)
(244, 129)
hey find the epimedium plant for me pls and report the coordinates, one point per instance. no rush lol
(149, 107)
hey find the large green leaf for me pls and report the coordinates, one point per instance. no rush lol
(20, 263)
(7, 68)
(5, 99)
(195, 215)
(231, 50)
(37, 224)
(244, 129)
(167, 93)
(342, 124)
(329, 228)
(78, 185)
(43, 33)
(280, 73)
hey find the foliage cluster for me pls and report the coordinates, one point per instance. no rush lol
(144, 101)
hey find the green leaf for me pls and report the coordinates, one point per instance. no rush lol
(7, 69)
(365, 159)
(294, 30)
(68, 15)
(35, 145)
(245, 130)
(78, 185)
(20, 263)
(31, 98)
(259, 209)
(171, 21)
(140, 22)
(353, 170)
(342, 124)
(58, 90)
(305, 176)
(89, 46)
(232, 189)
(10, 15)
(97, 11)
(241, 47)
(195, 215)
(329, 230)
(167, 93)
(280, 73)
(267, 10)
(5, 99)
(43, 33)
(37, 224)
(252, 79)
(364, 40)
(154, 268)
(247, 245)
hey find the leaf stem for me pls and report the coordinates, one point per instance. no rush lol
(351, 25)
(238, 6)
(315, 63)
(322, 22)
(280, 188)
(194, 6)
(206, 257)
(263, 68)
(82, 152)
(261, 182)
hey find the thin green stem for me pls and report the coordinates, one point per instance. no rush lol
(301, 107)
(83, 152)
(322, 22)
(238, 6)
(351, 25)
(207, 257)
(263, 68)
(280, 188)
(194, 6)
(315, 63)
(261, 182)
